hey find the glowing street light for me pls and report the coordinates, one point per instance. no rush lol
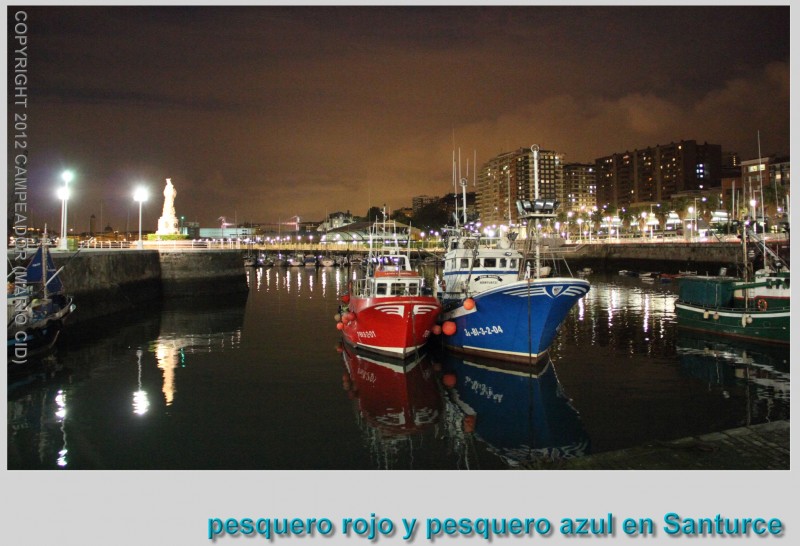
(140, 195)
(63, 194)
(694, 210)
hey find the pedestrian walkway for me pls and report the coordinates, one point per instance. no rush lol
(757, 447)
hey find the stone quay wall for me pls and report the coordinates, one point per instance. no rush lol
(104, 282)
(664, 257)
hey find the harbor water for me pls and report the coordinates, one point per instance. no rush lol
(262, 381)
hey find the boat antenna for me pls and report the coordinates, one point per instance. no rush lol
(464, 197)
(763, 218)
(455, 186)
(474, 168)
(535, 151)
(537, 265)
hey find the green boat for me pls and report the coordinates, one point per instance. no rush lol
(756, 310)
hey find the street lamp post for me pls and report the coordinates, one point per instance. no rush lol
(63, 194)
(696, 231)
(140, 195)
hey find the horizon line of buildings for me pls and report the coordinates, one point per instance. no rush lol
(640, 178)
(630, 179)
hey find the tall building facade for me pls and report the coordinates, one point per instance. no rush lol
(654, 174)
(510, 176)
(419, 201)
(766, 179)
(580, 187)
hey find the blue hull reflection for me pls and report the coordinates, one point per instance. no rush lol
(520, 412)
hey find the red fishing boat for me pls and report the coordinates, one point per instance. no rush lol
(389, 311)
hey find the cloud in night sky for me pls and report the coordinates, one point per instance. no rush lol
(266, 112)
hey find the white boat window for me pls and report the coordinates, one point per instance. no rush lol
(490, 262)
(381, 289)
(503, 263)
(513, 263)
(476, 262)
(398, 289)
(464, 262)
(413, 289)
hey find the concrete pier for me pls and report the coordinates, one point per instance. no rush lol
(111, 281)
(757, 447)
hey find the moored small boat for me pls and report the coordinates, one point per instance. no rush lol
(37, 307)
(756, 309)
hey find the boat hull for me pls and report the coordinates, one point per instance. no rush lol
(39, 332)
(770, 326)
(515, 322)
(393, 326)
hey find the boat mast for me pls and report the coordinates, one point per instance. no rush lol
(763, 218)
(537, 249)
(43, 246)
(455, 188)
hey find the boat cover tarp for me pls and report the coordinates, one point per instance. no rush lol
(35, 276)
(707, 291)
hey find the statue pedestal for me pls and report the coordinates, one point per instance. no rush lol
(167, 226)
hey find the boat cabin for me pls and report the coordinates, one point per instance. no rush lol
(392, 262)
(392, 276)
(488, 263)
(396, 287)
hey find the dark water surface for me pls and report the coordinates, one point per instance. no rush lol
(261, 382)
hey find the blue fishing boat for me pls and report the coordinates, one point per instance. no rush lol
(37, 307)
(499, 301)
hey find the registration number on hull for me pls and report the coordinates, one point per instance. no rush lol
(482, 331)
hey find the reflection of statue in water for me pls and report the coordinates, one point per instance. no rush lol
(168, 223)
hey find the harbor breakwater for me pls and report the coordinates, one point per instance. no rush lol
(705, 257)
(104, 282)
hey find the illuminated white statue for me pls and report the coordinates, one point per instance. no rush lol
(168, 223)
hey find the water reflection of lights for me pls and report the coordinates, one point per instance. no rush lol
(324, 284)
(167, 357)
(299, 282)
(61, 403)
(61, 416)
(311, 283)
(140, 402)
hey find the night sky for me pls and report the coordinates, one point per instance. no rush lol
(262, 113)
